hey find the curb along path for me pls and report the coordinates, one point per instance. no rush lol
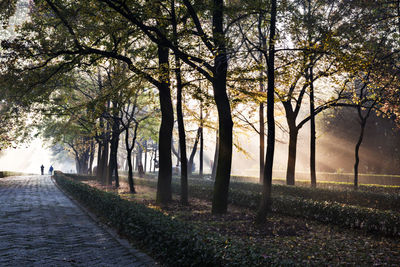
(40, 226)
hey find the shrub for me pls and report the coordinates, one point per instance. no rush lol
(174, 242)
(385, 222)
(377, 200)
(372, 220)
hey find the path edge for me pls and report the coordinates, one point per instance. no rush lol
(143, 257)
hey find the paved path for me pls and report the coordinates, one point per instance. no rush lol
(40, 226)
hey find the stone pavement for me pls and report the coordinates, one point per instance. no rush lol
(40, 226)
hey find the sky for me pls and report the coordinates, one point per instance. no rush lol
(27, 158)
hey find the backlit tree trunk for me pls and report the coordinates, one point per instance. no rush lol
(216, 153)
(179, 114)
(113, 164)
(193, 153)
(201, 161)
(312, 132)
(129, 156)
(164, 192)
(291, 166)
(266, 200)
(221, 185)
(262, 146)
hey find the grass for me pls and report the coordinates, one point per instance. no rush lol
(293, 240)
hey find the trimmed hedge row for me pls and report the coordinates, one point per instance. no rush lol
(306, 183)
(171, 241)
(375, 200)
(368, 196)
(382, 201)
(371, 220)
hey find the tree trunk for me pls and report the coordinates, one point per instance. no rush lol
(113, 165)
(105, 153)
(84, 160)
(164, 191)
(357, 149)
(77, 165)
(151, 160)
(140, 154)
(312, 133)
(129, 157)
(201, 161)
(137, 158)
(176, 153)
(182, 138)
(99, 150)
(193, 153)
(216, 153)
(223, 175)
(104, 160)
(130, 172)
(262, 147)
(134, 161)
(266, 200)
(145, 156)
(261, 107)
(91, 157)
(291, 165)
(179, 114)
(155, 157)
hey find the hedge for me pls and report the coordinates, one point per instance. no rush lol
(376, 200)
(372, 220)
(171, 241)
(382, 201)
(373, 196)
(384, 222)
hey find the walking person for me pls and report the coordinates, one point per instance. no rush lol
(42, 169)
(51, 170)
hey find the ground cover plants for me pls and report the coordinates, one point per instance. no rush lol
(311, 207)
(283, 239)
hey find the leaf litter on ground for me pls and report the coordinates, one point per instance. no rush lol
(291, 239)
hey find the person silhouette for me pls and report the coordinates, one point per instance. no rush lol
(42, 169)
(51, 170)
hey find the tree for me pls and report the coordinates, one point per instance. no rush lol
(108, 39)
(368, 93)
(266, 200)
(13, 126)
(73, 137)
(315, 56)
(217, 47)
(130, 113)
(181, 126)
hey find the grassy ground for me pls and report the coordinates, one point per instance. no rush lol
(298, 240)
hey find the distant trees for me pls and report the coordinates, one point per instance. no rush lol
(133, 114)
(75, 140)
